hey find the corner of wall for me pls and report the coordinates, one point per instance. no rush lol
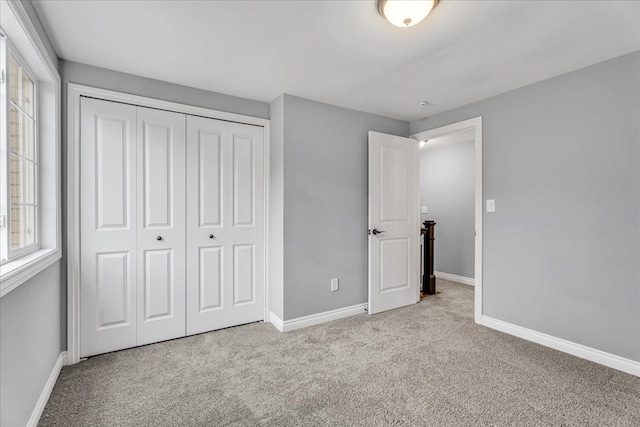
(276, 210)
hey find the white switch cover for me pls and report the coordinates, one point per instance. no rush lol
(334, 285)
(425, 209)
(491, 205)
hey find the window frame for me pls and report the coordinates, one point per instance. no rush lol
(36, 51)
(8, 50)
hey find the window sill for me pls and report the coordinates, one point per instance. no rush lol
(14, 273)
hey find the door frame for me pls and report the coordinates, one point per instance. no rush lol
(476, 124)
(74, 93)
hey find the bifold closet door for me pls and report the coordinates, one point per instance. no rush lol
(225, 224)
(132, 235)
(161, 225)
(108, 226)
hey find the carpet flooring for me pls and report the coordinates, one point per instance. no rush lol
(423, 365)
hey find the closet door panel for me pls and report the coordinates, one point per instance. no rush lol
(207, 224)
(225, 229)
(161, 225)
(244, 266)
(210, 278)
(108, 226)
(243, 169)
(159, 171)
(159, 284)
(209, 177)
(246, 232)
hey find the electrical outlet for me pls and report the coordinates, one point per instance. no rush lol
(334, 285)
(425, 209)
(491, 205)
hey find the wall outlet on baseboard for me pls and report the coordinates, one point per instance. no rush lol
(334, 285)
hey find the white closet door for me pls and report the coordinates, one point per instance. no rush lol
(225, 224)
(246, 215)
(161, 225)
(108, 226)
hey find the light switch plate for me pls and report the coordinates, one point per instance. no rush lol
(491, 205)
(335, 285)
(425, 209)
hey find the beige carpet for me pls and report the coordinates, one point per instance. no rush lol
(424, 365)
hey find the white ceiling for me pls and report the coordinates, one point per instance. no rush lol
(343, 52)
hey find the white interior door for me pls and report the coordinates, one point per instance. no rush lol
(161, 225)
(394, 230)
(225, 224)
(108, 226)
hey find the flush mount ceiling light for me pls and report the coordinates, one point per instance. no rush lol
(405, 13)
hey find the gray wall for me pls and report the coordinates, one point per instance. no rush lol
(73, 72)
(325, 204)
(30, 324)
(30, 344)
(447, 177)
(562, 160)
(276, 208)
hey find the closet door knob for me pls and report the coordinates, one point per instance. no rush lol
(159, 238)
(211, 236)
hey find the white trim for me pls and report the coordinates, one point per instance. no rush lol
(276, 321)
(316, 319)
(475, 123)
(16, 272)
(46, 391)
(267, 224)
(19, 11)
(74, 92)
(603, 358)
(454, 278)
(77, 90)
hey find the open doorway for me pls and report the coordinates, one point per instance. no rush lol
(451, 204)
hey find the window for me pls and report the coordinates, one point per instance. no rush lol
(19, 204)
(30, 193)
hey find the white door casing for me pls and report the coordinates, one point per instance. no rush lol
(476, 125)
(108, 227)
(225, 224)
(394, 230)
(161, 225)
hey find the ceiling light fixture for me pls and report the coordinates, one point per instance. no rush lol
(405, 13)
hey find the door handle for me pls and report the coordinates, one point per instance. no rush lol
(211, 236)
(376, 231)
(159, 238)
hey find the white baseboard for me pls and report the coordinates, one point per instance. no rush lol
(276, 321)
(455, 278)
(315, 319)
(46, 391)
(607, 359)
